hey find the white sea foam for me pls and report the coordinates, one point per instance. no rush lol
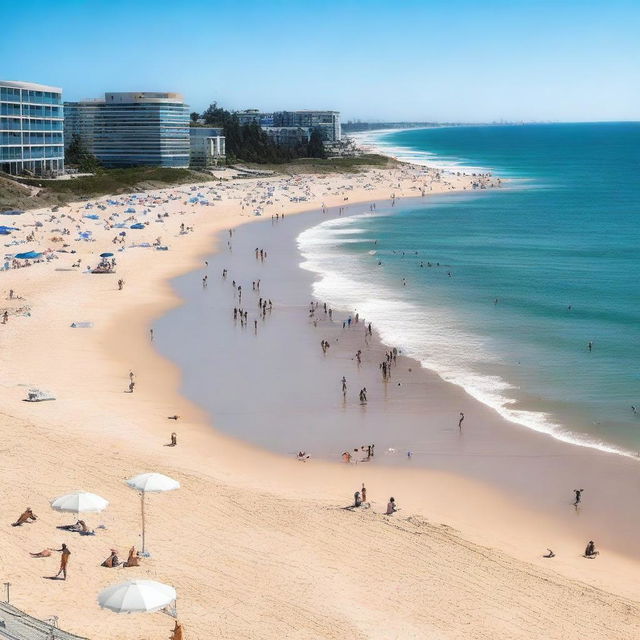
(376, 141)
(434, 336)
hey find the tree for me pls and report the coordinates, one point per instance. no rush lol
(315, 148)
(251, 143)
(78, 155)
(195, 116)
(216, 116)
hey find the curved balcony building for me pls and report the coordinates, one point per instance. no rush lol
(132, 129)
(31, 129)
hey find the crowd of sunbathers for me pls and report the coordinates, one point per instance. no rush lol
(112, 561)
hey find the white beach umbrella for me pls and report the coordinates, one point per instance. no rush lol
(151, 483)
(80, 502)
(135, 596)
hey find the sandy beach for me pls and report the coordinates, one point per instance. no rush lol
(257, 544)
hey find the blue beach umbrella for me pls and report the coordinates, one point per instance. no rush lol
(28, 255)
(12, 212)
(5, 231)
(137, 225)
(106, 254)
(92, 216)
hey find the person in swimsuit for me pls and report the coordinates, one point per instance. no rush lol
(64, 561)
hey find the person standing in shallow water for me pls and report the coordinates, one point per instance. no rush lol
(461, 421)
(578, 493)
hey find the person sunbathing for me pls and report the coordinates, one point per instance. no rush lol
(79, 527)
(133, 560)
(42, 554)
(112, 561)
(27, 516)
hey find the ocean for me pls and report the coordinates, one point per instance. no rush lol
(523, 278)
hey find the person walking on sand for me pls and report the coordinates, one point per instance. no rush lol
(578, 493)
(461, 421)
(344, 386)
(392, 507)
(64, 560)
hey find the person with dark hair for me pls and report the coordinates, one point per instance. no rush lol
(64, 560)
(590, 551)
(26, 516)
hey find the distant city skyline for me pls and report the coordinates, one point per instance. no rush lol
(415, 60)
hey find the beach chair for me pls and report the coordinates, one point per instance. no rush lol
(38, 395)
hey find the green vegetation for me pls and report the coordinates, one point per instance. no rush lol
(77, 155)
(316, 147)
(330, 165)
(250, 143)
(47, 193)
(128, 180)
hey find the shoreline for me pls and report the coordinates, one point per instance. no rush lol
(241, 511)
(524, 454)
(533, 418)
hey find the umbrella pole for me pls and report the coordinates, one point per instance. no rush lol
(142, 501)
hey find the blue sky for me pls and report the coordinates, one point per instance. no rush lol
(371, 59)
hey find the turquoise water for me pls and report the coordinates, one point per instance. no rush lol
(559, 250)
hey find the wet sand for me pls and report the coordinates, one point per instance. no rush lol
(275, 388)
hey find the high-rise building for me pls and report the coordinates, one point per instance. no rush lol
(132, 129)
(31, 129)
(327, 122)
(254, 115)
(207, 146)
